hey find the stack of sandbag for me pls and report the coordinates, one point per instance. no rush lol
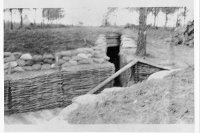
(100, 50)
(82, 56)
(10, 61)
(101, 43)
(184, 35)
(18, 62)
(43, 62)
(75, 57)
(128, 42)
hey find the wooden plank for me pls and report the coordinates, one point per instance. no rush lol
(102, 84)
(112, 45)
(9, 68)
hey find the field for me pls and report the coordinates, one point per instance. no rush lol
(40, 41)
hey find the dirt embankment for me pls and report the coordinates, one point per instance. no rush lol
(166, 101)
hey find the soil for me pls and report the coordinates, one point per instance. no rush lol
(167, 101)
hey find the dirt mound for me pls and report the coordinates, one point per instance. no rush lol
(166, 101)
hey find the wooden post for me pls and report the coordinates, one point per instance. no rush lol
(56, 59)
(9, 68)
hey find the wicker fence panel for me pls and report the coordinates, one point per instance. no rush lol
(79, 82)
(32, 91)
(142, 71)
(36, 92)
(6, 96)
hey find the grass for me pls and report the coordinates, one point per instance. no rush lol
(39, 41)
(162, 52)
(166, 101)
(50, 40)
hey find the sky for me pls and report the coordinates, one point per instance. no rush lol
(93, 16)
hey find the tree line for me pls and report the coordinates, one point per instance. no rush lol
(51, 14)
(154, 10)
(143, 12)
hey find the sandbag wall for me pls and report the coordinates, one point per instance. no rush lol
(127, 51)
(20, 62)
(69, 74)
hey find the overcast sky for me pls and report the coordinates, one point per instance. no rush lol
(93, 16)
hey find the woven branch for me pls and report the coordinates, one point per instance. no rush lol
(32, 91)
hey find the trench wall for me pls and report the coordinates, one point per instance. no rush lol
(18, 62)
(46, 81)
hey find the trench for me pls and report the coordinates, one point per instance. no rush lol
(113, 49)
(137, 73)
(113, 53)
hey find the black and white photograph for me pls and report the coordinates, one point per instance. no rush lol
(76, 65)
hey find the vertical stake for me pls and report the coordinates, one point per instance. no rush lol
(56, 60)
(9, 68)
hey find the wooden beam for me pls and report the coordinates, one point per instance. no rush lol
(102, 84)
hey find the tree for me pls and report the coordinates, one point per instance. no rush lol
(4, 10)
(167, 11)
(184, 13)
(11, 22)
(35, 15)
(137, 9)
(141, 42)
(52, 14)
(107, 15)
(21, 17)
(155, 11)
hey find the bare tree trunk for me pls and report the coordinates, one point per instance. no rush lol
(166, 20)
(141, 42)
(21, 22)
(21, 18)
(35, 16)
(184, 14)
(4, 22)
(154, 21)
(11, 19)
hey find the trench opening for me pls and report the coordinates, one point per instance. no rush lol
(113, 53)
